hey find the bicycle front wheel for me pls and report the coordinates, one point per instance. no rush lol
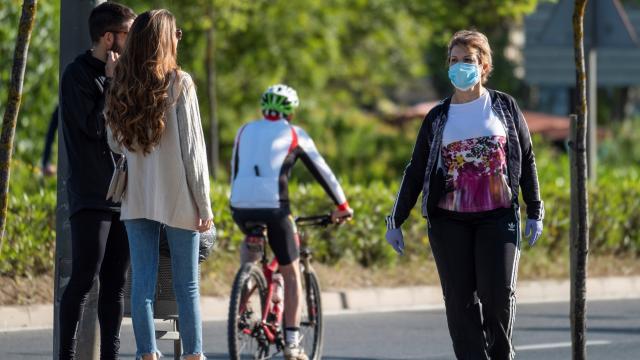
(311, 315)
(246, 306)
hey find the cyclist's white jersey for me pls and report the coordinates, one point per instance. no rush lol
(264, 153)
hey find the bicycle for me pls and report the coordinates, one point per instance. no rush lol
(255, 323)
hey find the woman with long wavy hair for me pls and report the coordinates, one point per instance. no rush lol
(153, 119)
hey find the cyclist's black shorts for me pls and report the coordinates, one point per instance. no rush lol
(281, 230)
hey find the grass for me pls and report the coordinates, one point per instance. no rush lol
(219, 270)
(414, 272)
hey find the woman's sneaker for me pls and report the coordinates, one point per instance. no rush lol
(294, 352)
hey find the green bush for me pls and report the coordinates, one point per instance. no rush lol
(40, 92)
(613, 213)
(613, 204)
(29, 243)
(621, 146)
(361, 240)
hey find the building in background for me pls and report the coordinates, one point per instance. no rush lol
(611, 29)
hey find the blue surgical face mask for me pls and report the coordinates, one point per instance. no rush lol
(463, 75)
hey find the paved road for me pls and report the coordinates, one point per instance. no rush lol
(542, 332)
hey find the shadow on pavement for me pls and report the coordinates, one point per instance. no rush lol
(28, 355)
(382, 358)
(216, 356)
(219, 356)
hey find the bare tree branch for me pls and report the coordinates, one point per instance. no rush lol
(212, 96)
(579, 200)
(10, 117)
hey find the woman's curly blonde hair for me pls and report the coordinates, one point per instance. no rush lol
(138, 96)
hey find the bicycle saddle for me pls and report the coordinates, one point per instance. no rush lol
(256, 227)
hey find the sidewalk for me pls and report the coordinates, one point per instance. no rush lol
(365, 300)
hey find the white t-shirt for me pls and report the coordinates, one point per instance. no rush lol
(472, 120)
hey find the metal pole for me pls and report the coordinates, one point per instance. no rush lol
(74, 39)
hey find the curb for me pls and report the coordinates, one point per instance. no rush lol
(26, 317)
(31, 317)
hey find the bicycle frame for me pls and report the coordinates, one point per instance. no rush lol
(273, 313)
(272, 317)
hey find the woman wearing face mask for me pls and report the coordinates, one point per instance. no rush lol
(472, 156)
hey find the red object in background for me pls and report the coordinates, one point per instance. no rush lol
(553, 127)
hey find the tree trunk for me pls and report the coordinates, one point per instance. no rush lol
(579, 200)
(10, 117)
(214, 146)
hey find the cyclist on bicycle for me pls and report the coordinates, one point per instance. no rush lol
(264, 153)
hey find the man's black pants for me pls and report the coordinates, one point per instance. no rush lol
(477, 258)
(99, 247)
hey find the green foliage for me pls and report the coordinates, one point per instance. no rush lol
(360, 148)
(616, 230)
(40, 90)
(613, 203)
(30, 234)
(622, 145)
(361, 241)
(344, 57)
(613, 214)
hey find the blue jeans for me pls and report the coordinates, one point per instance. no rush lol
(144, 237)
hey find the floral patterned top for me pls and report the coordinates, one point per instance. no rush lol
(475, 175)
(474, 159)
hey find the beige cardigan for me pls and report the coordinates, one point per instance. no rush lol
(171, 184)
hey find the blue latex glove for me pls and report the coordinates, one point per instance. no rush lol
(396, 240)
(533, 230)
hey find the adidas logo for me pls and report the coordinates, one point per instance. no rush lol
(511, 227)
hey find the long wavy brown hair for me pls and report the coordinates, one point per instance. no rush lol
(138, 96)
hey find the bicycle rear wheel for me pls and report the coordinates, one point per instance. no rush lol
(248, 295)
(311, 315)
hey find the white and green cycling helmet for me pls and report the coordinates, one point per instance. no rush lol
(280, 99)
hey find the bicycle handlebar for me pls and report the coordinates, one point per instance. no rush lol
(314, 220)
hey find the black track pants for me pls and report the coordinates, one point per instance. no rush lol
(99, 247)
(477, 260)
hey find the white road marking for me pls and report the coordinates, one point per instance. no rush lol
(559, 345)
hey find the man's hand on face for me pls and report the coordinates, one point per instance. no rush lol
(112, 60)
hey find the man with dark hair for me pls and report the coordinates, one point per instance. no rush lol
(99, 243)
(111, 18)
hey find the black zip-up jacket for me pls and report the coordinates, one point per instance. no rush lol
(90, 160)
(422, 175)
